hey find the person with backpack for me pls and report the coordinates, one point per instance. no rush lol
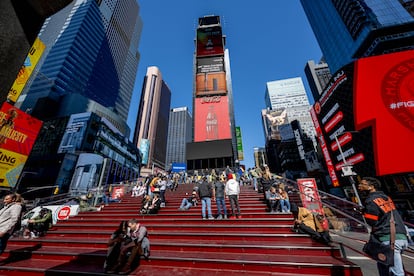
(9, 216)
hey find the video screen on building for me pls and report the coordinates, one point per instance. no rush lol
(367, 111)
(210, 65)
(211, 84)
(211, 118)
(18, 133)
(209, 41)
(384, 102)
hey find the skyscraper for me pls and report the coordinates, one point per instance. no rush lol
(179, 134)
(350, 29)
(151, 129)
(318, 76)
(290, 94)
(214, 140)
(91, 59)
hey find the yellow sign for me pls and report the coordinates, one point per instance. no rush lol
(11, 165)
(24, 74)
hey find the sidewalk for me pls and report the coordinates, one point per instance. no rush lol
(353, 243)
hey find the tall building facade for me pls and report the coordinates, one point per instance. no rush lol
(290, 94)
(88, 67)
(179, 134)
(92, 57)
(350, 29)
(213, 109)
(366, 44)
(151, 130)
(318, 76)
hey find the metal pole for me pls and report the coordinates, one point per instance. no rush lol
(351, 179)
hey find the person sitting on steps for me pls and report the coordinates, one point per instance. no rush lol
(135, 246)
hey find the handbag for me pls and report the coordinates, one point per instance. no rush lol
(380, 252)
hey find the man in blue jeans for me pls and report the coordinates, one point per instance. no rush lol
(205, 193)
(219, 195)
(378, 209)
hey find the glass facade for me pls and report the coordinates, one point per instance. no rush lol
(179, 134)
(290, 94)
(92, 51)
(349, 29)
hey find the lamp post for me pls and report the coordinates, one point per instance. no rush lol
(347, 170)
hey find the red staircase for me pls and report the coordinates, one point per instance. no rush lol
(181, 243)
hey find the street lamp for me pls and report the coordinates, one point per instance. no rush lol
(347, 168)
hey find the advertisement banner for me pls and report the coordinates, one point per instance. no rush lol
(209, 41)
(25, 72)
(74, 133)
(239, 142)
(178, 167)
(211, 84)
(210, 65)
(211, 119)
(309, 195)
(386, 82)
(324, 147)
(18, 133)
(144, 146)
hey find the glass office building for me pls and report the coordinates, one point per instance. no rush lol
(350, 29)
(92, 50)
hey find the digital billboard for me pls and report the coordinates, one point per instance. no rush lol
(209, 41)
(18, 133)
(26, 70)
(75, 131)
(239, 143)
(335, 112)
(384, 102)
(211, 119)
(367, 111)
(211, 84)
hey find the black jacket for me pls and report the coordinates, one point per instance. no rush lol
(204, 189)
(378, 208)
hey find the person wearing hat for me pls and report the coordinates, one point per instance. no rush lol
(377, 213)
(188, 201)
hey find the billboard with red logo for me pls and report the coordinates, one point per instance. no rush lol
(384, 103)
(210, 41)
(211, 119)
(18, 133)
(367, 111)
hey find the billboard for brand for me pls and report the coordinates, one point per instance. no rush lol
(18, 133)
(309, 195)
(239, 142)
(210, 76)
(371, 139)
(386, 82)
(144, 147)
(26, 70)
(209, 41)
(211, 119)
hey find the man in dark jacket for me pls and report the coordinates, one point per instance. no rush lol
(378, 208)
(205, 193)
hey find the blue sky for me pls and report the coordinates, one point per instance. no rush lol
(267, 40)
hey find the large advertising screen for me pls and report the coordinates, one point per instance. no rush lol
(75, 133)
(384, 102)
(211, 84)
(209, 41)
(25, 72)
(211, 119)
(18, 133)
(367, 111)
